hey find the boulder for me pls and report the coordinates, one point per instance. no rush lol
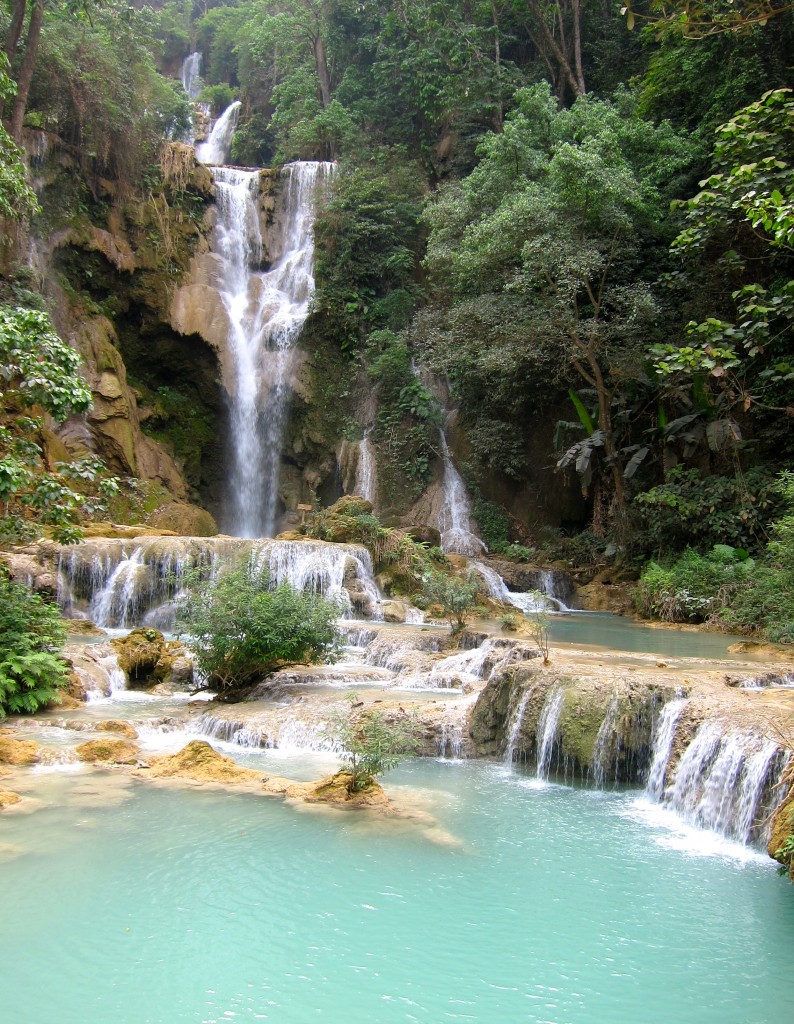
(184, 519)
(109, 751)
(201, 763)
(336, 790)
(118, 726)
(8, 799)
(143, 654)
(18, 752)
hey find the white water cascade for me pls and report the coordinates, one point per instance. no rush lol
(533, 601)
(266, 311)
(214, 150)
(514, 724)
(547, 730)
(191, 75)
(126, 583)
(455, 523)
(366, 484)
(722, 781)
(662, 745)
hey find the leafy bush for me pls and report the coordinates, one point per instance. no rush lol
(690, 509)
(457, 597)
(241, 629)
(373, 745)
(766, 603)
(31, 634)
(694, 586)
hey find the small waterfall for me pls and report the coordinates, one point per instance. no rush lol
(722, 782)
(123, 583)
(214, 150)
(449, 742)
(366, 484)
(191, 72)
(497, 589)
(266, 312)
(455, 522)
(547, 730)
(514, 724)
(606, 751)
(662, 745)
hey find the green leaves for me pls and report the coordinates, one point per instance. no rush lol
(241, 628)
(31, 634)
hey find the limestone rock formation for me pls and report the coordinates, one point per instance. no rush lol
(111, 751)
(18, 753)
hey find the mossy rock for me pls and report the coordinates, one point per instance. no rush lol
(336, 789)
(783, 832)
(143, 654)
(583, 712)
(109, 751)
(8, 799)
(351, 505)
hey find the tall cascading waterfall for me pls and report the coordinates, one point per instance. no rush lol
(191, 75)
(366, 484)
(455, 522)
(215, 149)
(266, 312)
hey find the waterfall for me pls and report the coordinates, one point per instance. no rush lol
(214, 150)
(191, 71)
(455, 522)
(125, 583)
(266, 311)
(723, 780)
(662, 745)
(366, 484)
(514, 724)
(547, 729)
(533, 601)
(449, 742)
(606, 751)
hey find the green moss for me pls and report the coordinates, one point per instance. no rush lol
(582, 713)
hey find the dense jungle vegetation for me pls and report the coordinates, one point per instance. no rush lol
(577, 214)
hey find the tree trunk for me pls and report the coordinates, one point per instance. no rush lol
(26, 70)
(321, 63)
(15, 29)
(577, 44)
(550, 44)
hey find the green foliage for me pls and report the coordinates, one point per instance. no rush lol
(219, 97)
(241, 628)
(765, 604)
(39, 370)
(694, 586)
(17, 198)
(372, 743)
(457, 597)
(31, 634)
(97, 85)
(697, 510)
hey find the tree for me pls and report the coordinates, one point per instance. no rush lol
(31, 634)
(17, 198)
(457, 597)
(699, 19)
(738, 238)
(242, 628)
(556, 212)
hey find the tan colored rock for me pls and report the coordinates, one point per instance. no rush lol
(118, 726)
(18, 752)
(335, 790)
(8, 799)
(184, 519)
(109, 751)
(201, 763)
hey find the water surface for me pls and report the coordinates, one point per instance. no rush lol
(158, 906)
